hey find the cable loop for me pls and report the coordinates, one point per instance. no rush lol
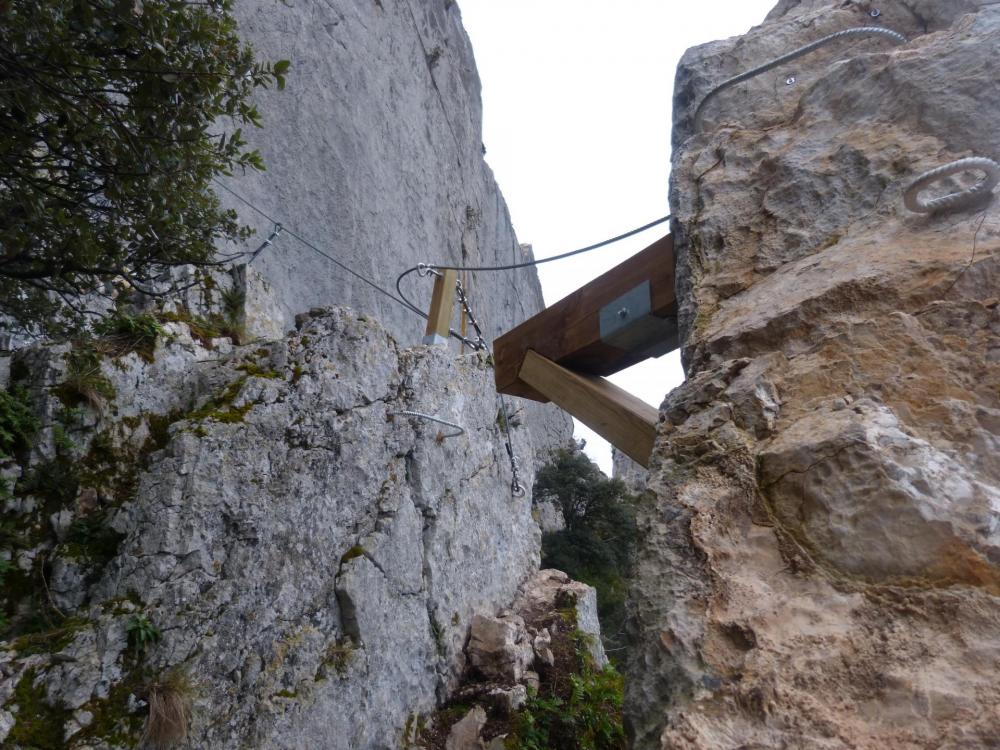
(431, 418)
(957, 200)
(425, 269)
(515, 483)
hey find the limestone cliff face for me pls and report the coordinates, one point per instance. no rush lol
(259, 529)
(374, 151)
(819, 565)
(256, 535)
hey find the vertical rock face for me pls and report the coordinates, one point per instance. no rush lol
(819, 565)
(374, 152)
(632, 474)
(259, 532)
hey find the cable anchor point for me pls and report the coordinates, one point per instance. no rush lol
(267, 243)
(426, 269)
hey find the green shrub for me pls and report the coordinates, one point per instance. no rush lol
(17, 420)
(597, 544)
(117, 116)
(123, 333)
(85, 383)
(142, 634)
(589, 718)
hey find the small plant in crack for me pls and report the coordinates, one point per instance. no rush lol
(142, 634)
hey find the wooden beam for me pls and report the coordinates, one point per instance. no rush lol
(442, 304)
(615, 414)
(569, 332)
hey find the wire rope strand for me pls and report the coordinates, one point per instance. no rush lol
(561, 256)
(315, 249)
(793, 55)
(432, 418)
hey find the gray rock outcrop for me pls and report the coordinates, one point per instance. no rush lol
(818, 565)
(308, 559)
(632, 474)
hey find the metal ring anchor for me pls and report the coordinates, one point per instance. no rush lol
(959, 199)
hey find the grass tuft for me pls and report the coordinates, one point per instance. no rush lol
(169, 717)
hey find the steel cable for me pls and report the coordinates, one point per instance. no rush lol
(793, 55)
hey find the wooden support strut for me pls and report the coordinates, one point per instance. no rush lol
(636, 297)
(615, 414)
(442, 304)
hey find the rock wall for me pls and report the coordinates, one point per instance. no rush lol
(374, 151)
(259, 529)
(632, 474)
(253, 533)
(819, 561)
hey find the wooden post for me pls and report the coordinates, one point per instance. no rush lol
(442, 302)
(623, 420)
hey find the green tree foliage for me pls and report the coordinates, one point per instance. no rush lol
(597, 544)
(110, 134)
(588, 718)
(17, 420)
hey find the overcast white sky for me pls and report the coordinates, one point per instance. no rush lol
(576, 99)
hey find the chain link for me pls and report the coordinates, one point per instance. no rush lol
(480, 343)
(515, 483)
(516, 488)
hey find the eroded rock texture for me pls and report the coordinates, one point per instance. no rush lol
(310, 558)
(819, 565)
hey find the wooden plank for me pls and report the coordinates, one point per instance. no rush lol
(569, 331)
(615, 414)
(442, 304)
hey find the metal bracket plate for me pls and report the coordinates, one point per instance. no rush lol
(627, 323)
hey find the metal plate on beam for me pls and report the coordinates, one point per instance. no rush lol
(627, 323)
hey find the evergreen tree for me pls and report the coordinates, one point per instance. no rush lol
(110, 134)
(597, 544)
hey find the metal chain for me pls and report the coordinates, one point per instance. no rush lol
(515, 483)
(480, 344)
(516, 489)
